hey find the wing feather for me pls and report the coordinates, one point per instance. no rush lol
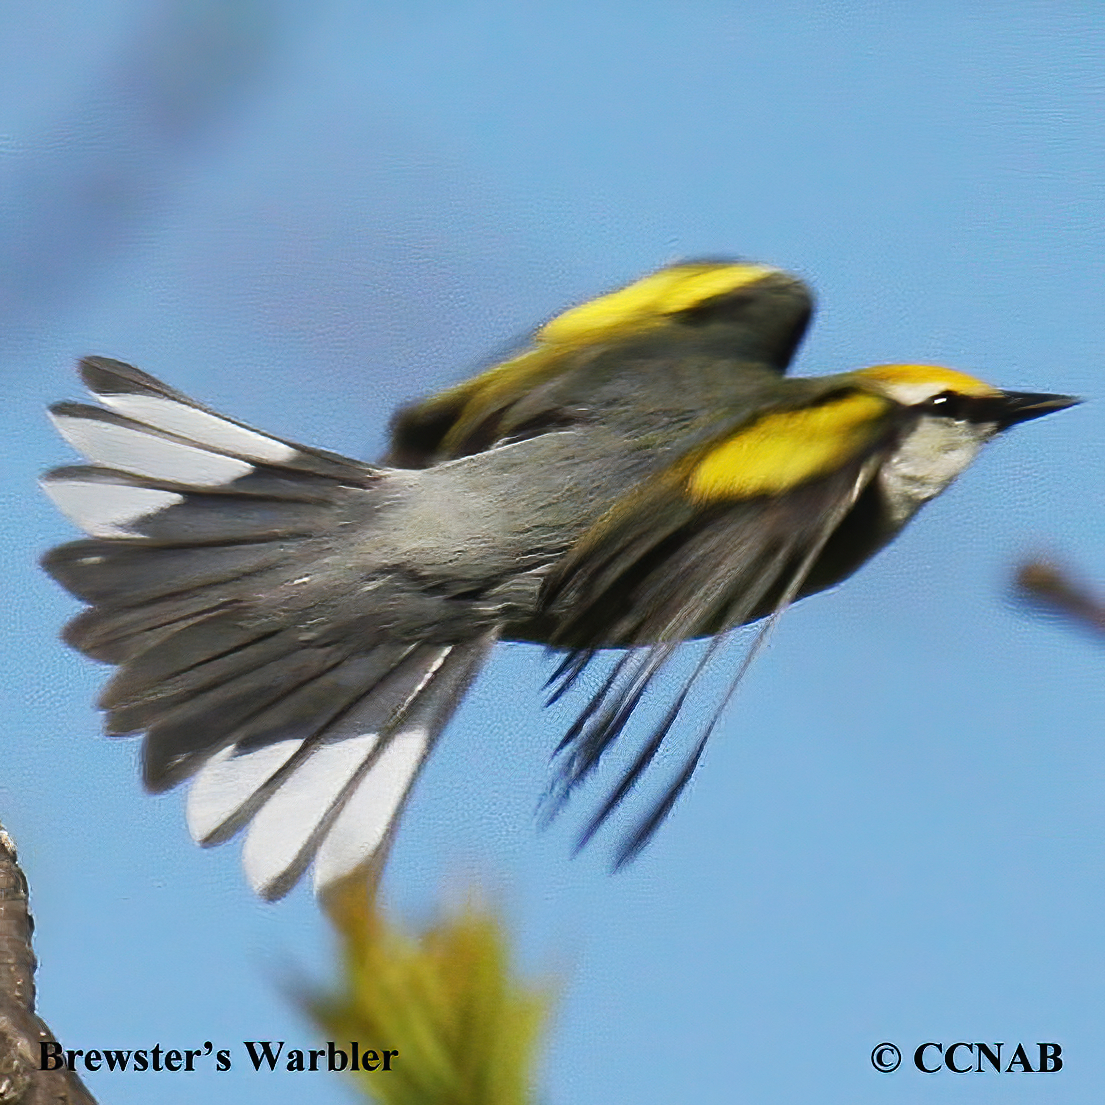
(669, 342)
(707, 574)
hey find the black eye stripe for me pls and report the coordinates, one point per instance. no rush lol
(959, 408)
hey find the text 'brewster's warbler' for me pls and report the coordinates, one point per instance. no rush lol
(294, 629)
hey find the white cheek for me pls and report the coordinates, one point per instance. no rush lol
(933, 454)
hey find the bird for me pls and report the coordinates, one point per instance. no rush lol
(292, 629)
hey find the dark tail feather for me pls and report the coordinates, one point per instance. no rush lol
(230, 577)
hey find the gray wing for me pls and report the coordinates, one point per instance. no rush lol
(668, 376)
(667, 573)
(264, 644)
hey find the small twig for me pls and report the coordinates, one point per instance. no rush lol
(1045, 585)
(21, 1031)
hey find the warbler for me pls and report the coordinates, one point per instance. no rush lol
(293, 629)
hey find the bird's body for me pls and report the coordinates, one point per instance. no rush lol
(297, 628)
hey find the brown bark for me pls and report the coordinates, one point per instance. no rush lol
(21, 1031)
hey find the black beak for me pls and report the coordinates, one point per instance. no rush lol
(1012, 407)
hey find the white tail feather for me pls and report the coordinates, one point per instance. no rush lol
(227, 782)
(364, 820)
(285, 825)
(200, 426)
(145, 452)
(106, 509)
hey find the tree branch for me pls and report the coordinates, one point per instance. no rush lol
(21, 1031)
(1049, 587)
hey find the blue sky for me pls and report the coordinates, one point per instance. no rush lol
(304, 215)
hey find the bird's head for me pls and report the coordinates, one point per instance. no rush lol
(938, 418)
(955, 414)
(943, 393)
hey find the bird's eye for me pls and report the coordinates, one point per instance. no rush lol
(948, 404)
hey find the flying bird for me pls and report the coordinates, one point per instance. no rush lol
(292, 629)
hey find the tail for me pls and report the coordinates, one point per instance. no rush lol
(231, 577)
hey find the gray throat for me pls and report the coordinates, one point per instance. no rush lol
(934, 452)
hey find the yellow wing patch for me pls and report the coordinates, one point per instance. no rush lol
(786, 448)
(650, 299)
(643, 304)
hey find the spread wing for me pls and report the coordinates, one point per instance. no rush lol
(668, 564)
(669, 342)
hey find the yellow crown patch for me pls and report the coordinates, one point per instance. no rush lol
(935, 377)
